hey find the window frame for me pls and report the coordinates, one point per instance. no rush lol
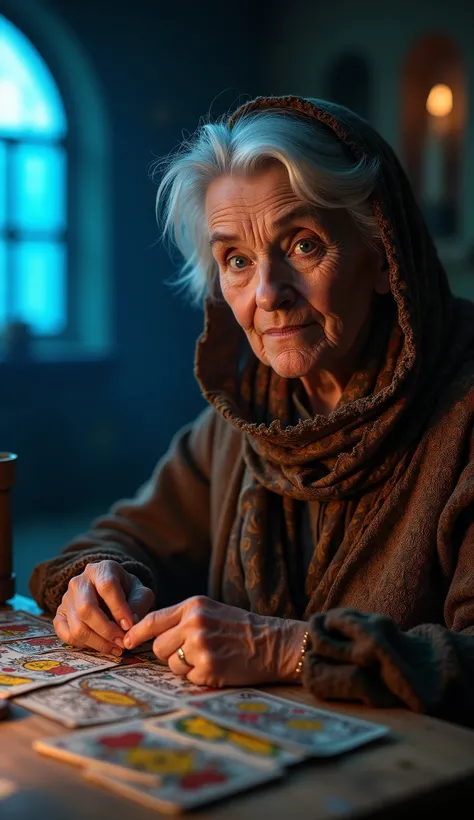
(12, 235)
(90, 332)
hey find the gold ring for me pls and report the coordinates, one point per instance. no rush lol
(181, 655)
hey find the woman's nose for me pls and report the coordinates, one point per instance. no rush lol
(274, 291)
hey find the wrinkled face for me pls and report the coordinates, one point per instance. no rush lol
(300, 282)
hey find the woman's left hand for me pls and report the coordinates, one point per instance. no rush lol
(222, 645)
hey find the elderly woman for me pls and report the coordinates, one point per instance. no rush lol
(316, 522)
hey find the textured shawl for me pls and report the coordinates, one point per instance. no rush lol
(398, 444)
(351, 460)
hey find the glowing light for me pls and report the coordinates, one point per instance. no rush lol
(40, 116)
(30, 101)
(439, 102)
(11, 104)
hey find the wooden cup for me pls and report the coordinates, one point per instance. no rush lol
(7, 480)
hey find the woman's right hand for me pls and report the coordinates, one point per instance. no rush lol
(100, 605)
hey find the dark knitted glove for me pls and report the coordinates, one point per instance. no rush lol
(49, 580)
(367, 658)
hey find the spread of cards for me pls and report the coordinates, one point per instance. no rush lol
(157, 738)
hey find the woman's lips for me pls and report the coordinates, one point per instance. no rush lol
(282, 332)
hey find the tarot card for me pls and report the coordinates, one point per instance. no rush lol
(17, 625)
(42, 644)
(160, 679)
(148, 656)
(145, 653)
(14, 616)
(96, 699)
(301, 728)
(188, 775)
(22, 673)
(127, 659)
(189, 727)
(128, 749)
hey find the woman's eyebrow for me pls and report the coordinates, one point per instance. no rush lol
(223, 237)
(303, 211)
(300, 212)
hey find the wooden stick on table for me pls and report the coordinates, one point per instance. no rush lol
(7, 480)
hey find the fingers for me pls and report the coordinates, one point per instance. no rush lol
(187, 655)
(93, 603)
(140, 599)
(153, 625)
(110, 579)
(167, 643)
(71, 630)
(196, 676)
(85, 609)
(61, 626)
(82, 635)
(180, 665)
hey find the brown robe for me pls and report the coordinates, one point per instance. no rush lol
(389, 593)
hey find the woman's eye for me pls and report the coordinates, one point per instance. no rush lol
(304, 247)
(237, 262)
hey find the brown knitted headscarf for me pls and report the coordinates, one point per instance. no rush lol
(350, 460)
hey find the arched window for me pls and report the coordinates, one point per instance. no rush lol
(349, 83)
(33, 196)
(433, 130)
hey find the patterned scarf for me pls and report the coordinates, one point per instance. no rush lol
(350, 460)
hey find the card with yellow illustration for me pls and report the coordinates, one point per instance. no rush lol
(127, 748)
(17, 625)
(186, 776)
(189, 727)
(96, 699)
(300, 728)
(159, 771)
(23, 673)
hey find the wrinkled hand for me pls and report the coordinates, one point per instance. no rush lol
(104, 589)
(223, 645)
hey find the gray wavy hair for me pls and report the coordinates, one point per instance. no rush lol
(319, 168)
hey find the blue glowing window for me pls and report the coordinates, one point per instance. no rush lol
(3, 283)
(3, 186)
(33, 189)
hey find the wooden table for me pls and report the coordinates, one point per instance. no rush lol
(427, 765)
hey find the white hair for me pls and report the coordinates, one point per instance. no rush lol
(319, 167)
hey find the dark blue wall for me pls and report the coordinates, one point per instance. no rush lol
(87, 433)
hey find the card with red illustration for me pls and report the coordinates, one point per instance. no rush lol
(156, 771)
(128, 749)
(23, 673)
(16, 625)
(38, 645)
(319, 732)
